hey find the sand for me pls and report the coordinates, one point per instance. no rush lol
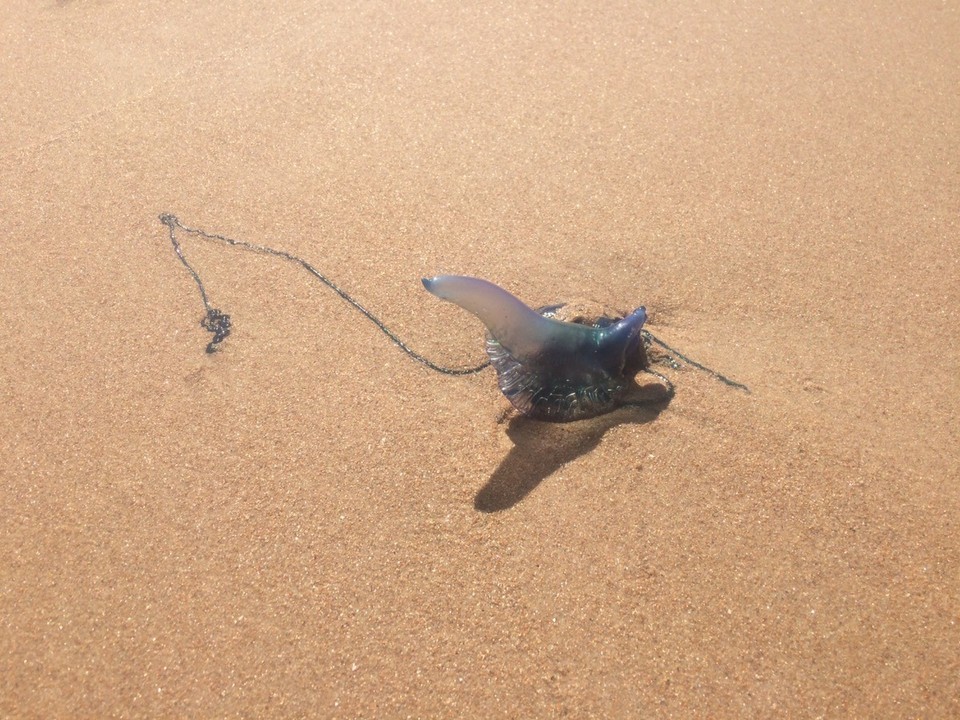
(309, 524)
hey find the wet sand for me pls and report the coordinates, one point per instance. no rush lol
(309, 524)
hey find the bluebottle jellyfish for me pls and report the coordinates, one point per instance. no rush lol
(551, 365)
(549, 369)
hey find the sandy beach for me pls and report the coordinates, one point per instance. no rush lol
(307, 523)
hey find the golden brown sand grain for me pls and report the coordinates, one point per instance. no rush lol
(307, 524)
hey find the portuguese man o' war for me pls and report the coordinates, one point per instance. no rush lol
(552, 363)
(549, 369)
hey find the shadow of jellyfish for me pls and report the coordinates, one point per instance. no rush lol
(541, 448)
